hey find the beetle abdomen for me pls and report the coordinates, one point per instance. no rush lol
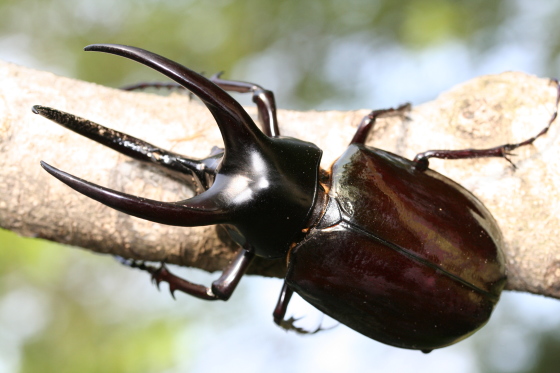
(405, 257)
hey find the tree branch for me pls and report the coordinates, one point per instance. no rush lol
(484, 112)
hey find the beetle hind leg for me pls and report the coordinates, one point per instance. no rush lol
(504, 151)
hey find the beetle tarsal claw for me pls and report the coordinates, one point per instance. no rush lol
(133, 263)
(289, 325)
(506, 156)
(159, 274)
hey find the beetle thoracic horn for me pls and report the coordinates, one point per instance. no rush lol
(195, 211)
(237, 128)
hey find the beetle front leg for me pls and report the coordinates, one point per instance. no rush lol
(221, 289)
(422, 159)
(263, 98)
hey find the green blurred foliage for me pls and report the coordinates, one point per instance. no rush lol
(60, 332)
(214, 35)
(83, 345)
(44, 306)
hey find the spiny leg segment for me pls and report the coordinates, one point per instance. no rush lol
(504, 151)
(263, 98)
(368, 122)
(279, 313)
(221, 289)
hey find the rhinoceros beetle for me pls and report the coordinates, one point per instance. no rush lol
(384, 245)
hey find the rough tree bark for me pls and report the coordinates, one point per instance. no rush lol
(484, 112)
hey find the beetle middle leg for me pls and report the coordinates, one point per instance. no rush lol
(221, 289)
(421, 160)
(279, 313)
(367, 123)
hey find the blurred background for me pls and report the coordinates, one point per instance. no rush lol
(66, 310)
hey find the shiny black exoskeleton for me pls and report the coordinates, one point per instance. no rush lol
(382, 244)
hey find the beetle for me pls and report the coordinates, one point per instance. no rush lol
(384, 245)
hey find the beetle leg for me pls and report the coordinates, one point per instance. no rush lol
(504, 151)
(282, 304)
(170, 86)
(280, 312)
(263, 98)
(367, 123)
(221, 289)
(157, 85)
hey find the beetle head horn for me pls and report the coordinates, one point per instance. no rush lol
(264, 187)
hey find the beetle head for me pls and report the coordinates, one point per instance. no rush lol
(264, 186)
